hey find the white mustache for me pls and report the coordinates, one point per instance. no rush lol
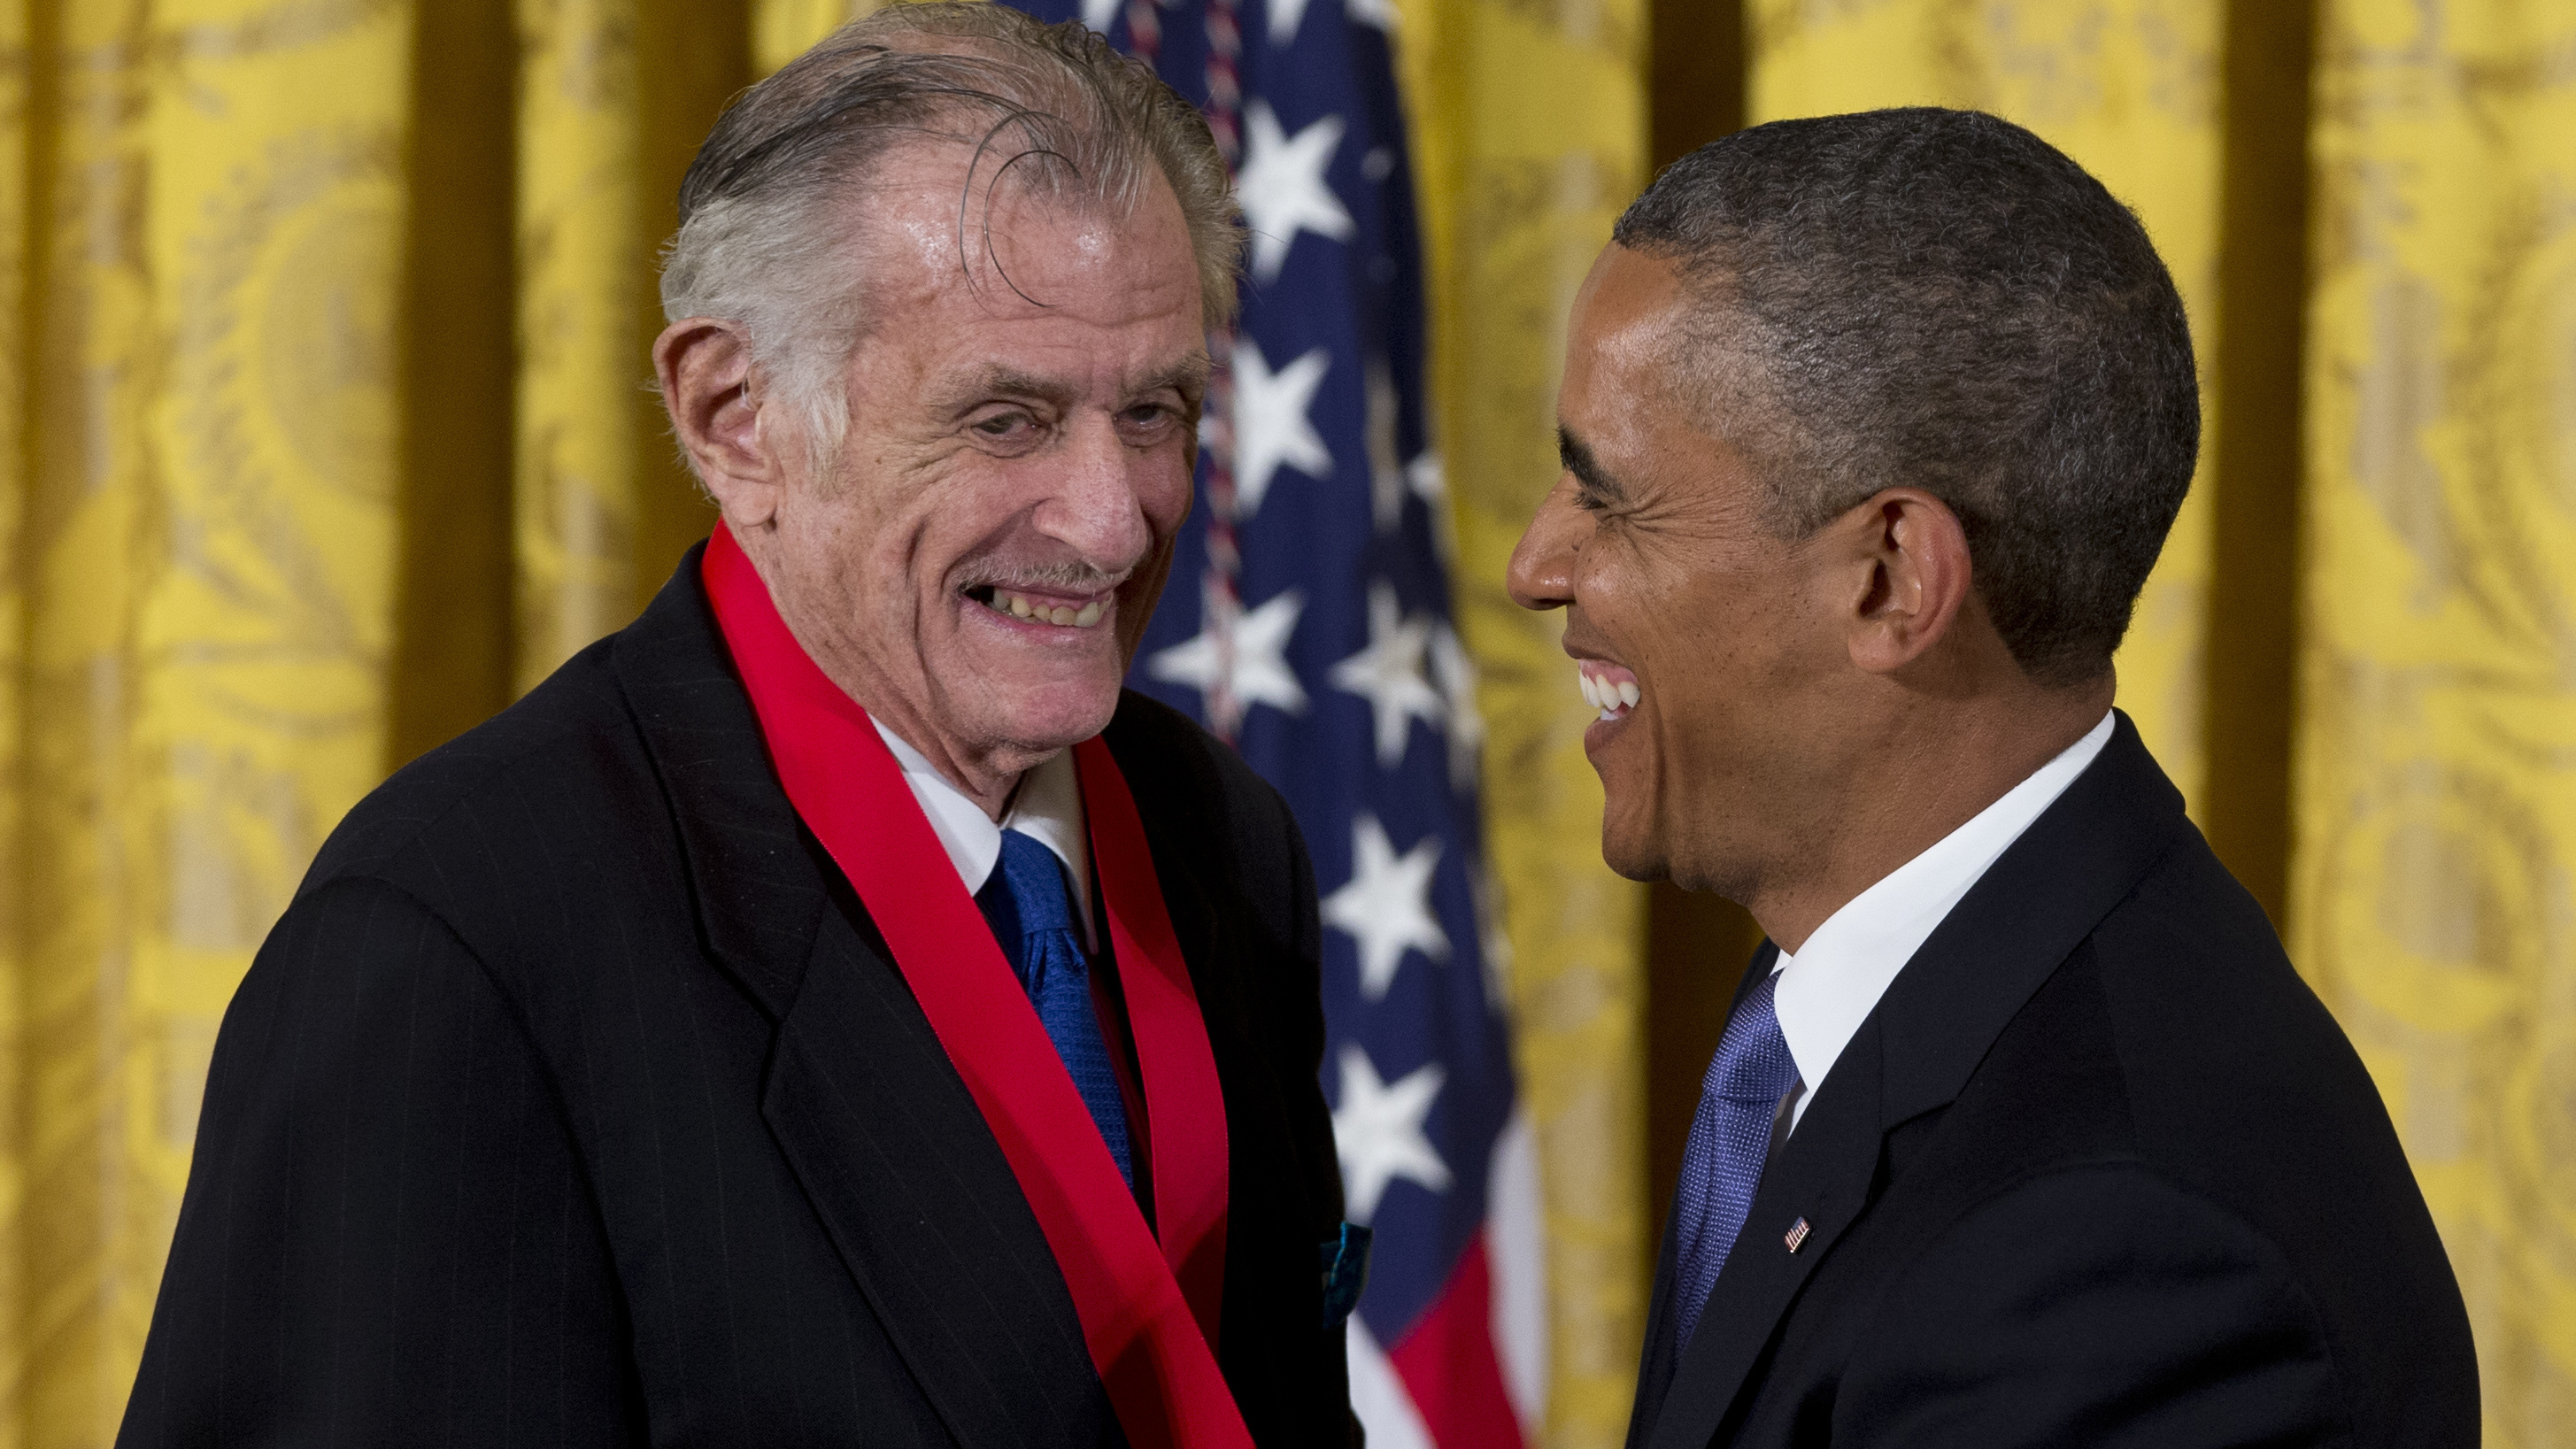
(1068, 578)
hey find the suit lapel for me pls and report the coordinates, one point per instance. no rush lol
(922, 1204)
(861, 1099)
(760, 893)
(1914, 1054)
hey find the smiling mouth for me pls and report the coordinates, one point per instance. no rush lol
(1030, 608)
(1608, 688)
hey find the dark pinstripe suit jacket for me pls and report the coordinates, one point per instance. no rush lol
(575, 1100)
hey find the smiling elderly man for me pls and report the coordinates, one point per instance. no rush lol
(827, 1011)
(2021, 1130)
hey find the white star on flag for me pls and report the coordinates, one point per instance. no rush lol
(1271, 426)
(1456, 674)
(1389, 673)
(1428, 480)
(1377, 13)
(1259, 672)
(1098, 14)
(1386, 905)
(1285, 17)
(1377, 1130)
(1281, 186)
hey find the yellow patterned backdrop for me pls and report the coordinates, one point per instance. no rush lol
(256, 375)
(210, 231)
(1530, 135)
(2433, 901)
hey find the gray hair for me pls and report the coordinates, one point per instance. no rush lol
(1942, 299)
(765, 200)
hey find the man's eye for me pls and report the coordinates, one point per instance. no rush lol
(1146, 415)
(1003, 425)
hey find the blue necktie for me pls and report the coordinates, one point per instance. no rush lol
(1729, 1138)
(1031, 911)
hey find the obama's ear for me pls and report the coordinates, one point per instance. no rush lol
(1910, 577)
(713, 393)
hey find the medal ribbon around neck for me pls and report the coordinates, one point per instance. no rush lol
(1148, 1307)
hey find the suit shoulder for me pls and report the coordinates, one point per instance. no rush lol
(2243, 1087)
(577, 714)
(2208, 1011)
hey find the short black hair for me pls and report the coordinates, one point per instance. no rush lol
(1941, 299)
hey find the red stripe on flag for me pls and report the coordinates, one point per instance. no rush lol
(1449, 1366)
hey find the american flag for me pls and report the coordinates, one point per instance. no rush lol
(1308, 621)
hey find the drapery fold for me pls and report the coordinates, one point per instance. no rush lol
(1530, 138)
(2432, 901)
(212, 236)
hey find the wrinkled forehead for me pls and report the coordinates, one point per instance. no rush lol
(1046, 296)
(961, 202)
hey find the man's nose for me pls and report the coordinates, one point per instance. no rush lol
(1097, 509)
(1541, 575)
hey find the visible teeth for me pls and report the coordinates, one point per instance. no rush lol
(1614, 698)
(1064, 615)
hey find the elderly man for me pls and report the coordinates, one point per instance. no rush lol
(2021, 1130)
(827, 1011)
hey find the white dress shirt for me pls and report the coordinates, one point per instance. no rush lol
(1047, 807)
(1837, 977)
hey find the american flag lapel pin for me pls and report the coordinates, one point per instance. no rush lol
(1797, 1237)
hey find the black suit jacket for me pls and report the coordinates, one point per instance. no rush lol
(576, 1101)
(2099, 1170)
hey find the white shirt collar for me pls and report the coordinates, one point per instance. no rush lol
(1838, 975)
(1047, 807)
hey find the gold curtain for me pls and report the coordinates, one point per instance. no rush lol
(614, 96)
(2436, 785)
(260, 263)
(207, 216)
(1529, 125)
(326, 428)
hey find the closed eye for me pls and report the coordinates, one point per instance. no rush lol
(1595, 489)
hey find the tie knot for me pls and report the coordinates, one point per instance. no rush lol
(1032, 881)
(1753, 1066)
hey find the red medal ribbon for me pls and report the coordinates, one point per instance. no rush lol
(1148, 1308)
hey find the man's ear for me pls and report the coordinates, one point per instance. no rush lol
(1913, 557)
(713, 394)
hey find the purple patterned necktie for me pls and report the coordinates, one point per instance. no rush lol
(1729, 1138)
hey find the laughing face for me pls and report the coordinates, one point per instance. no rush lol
(976, 561)
(1698, 634)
